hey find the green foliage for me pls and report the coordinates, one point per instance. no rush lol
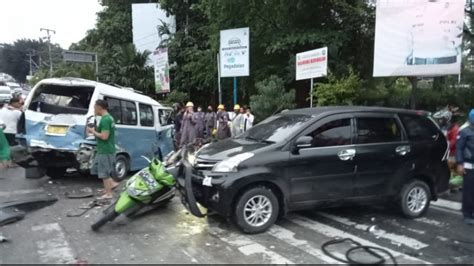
(14, 58)
(176, 96)
(338, 91)
(271, 98)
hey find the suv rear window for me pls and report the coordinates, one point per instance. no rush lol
(419, 128)
(377, 130)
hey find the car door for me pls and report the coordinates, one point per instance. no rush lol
(325, 170)
(164, 130)
(382, 150)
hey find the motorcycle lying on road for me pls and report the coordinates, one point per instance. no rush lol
(148, 189)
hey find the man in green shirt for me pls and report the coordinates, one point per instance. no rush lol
(104, 160)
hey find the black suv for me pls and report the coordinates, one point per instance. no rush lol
(305, 158)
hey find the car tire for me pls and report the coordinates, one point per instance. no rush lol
(121, 168)
(259, 201)
(34, 173)
(415, 198)
(56, 172)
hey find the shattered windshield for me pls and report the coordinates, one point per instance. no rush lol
(55, 99)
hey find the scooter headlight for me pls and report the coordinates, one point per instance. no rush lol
(231, 164)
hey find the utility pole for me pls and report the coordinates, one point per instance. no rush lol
(48, 37)
(30, 55)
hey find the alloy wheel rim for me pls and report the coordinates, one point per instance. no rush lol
(417, 199)
(258, 211)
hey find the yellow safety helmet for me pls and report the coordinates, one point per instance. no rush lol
(236, 107)
(221, 106)
(190, 104)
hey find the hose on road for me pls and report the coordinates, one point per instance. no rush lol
(375, 252)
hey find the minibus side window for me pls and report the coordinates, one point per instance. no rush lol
(147, 119)
(123, 112)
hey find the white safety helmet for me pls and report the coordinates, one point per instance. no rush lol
(443, 114)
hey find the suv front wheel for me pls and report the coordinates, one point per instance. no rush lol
(256, 210)
(415, 198)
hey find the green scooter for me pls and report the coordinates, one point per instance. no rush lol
(148, 189)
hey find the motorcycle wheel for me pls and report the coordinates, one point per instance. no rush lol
(108, 217)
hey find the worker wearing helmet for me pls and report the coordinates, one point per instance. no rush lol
(188, 124)
(223, 130)
(236, 121)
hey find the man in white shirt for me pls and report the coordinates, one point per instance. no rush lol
(248, 119)
(10, 115)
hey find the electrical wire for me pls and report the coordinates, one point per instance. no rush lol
(375, 252)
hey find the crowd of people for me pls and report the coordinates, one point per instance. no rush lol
(10, 115)
(196, 125)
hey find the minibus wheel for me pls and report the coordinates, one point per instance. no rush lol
(121, 167)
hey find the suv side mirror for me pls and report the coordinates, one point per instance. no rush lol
(304, 142)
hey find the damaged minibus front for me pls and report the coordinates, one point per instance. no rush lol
(53, 136)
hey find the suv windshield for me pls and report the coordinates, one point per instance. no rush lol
(276, 128)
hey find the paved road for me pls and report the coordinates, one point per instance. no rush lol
(171, 235)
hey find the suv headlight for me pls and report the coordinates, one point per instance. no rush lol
(231, 164)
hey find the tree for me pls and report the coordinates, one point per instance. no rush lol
(14, 58)
(338, 91)
(271, 98)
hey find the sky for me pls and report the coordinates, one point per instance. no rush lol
(69, 18)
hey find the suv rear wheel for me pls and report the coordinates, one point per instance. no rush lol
(415, 198)
(256, 210)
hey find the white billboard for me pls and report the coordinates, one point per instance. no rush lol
(234, 52)
(162, 70)
(146, 20)
(418, 37)
(312, 64)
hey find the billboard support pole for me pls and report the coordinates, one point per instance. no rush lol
(235, 90)
(311, 94)
(219, 78)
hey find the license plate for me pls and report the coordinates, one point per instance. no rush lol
(57, 130)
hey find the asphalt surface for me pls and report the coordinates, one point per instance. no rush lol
(171, 235)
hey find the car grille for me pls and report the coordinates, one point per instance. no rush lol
(204, 165)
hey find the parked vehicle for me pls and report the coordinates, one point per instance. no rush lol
(53, 129)
(148, 189)
(327, 156)
(5, 93)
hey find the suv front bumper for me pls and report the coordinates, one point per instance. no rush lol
(213, 196)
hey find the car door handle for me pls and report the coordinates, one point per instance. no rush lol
(346, 155)
(403, 150)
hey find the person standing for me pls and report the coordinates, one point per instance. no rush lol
(248, 119)
(211, 121)
(4, 148)
(188, 131)
(223, 130)
(200, 119)
(177, 123)
(104, 160)
(465, 162)
(236, 120)
(10, 115)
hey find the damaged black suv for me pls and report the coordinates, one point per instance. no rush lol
(306, 158)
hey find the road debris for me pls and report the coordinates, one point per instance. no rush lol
(10, 215)
(79, 194)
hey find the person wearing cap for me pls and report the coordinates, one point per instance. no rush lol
(465, 161)
(223, 130)
(188, 124)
